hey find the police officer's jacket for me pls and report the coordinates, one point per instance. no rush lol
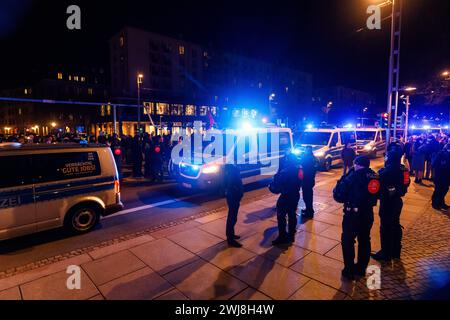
(288, 181)
(394, 181)
(441, 166)
(234, 189)
(358, 189)
(309, 164)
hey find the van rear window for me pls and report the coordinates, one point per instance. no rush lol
(63, 166)
(15, 171)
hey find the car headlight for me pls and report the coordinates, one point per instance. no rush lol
(319, 153)
(211, 169)
(296, 151)
(368, 147)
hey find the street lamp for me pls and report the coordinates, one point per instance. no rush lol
(53, 124)
(409, 90)
(139, 80)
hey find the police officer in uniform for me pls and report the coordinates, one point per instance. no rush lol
(234, 192)
(309, 164)
(394, 181)
(358, 190)
(287, 182)
(441, 167)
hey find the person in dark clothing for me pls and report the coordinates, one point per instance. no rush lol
(157, 155)
(394, 180)
(309, 164)
(234, 192)
(117, 152)
(431, 148)
(136, 151)
(287, 182)
(147, 146)
(418, 161)
(441, 167)
(348, 155)
(358, 191)
(408, 154)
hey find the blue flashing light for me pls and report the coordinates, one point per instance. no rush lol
(309, 126)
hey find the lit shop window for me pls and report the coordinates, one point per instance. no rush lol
(190, 110)
(162, 108)
(60, 76)
(70, 77)
(181, 50)
(83, 79)
(75, 78)
(26, 91)
(148, 107)
(90, 91)
(102, 110)
(108, 109)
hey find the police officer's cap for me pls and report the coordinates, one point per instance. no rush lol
(362, 161)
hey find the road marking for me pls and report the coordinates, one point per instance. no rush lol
(148, 206)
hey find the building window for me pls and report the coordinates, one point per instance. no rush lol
(108, 109)
(203, 110)
(181, 50)
(162, 108)
(121, 41)
(70, 77)
(60, 76)
(90, 91)
(148, 108)
(176, 109)
(213, 111)
(102, 110)
(190, 110)
(26, 91)
(75, 78)
(205, 54)
(83, 79)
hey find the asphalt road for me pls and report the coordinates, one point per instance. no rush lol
(145, 206)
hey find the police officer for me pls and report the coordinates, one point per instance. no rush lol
(287, 182)
(441, 167)
(309, 164)
(394, 181)
(136, 150)
(234, 192)
(358, 190)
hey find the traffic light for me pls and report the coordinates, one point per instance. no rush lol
(384, 120)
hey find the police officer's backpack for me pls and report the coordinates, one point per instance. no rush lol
(340, 191)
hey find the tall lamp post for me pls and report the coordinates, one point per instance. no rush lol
(140, 78)
(394, 66)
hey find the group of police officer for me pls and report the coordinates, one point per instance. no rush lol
(358, 190)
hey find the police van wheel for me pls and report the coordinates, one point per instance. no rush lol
(82, 219)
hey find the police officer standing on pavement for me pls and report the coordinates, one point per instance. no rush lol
(441, 167)
(309, 164)
(394, 181)
(358, 190)
(287, 182)
(234, 192)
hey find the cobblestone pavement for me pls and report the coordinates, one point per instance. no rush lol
(190, 260)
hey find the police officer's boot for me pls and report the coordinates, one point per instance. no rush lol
(385, 254)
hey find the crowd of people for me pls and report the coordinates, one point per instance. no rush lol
(148, 155)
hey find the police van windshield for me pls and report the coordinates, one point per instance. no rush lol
(315, 138)
(366, 135)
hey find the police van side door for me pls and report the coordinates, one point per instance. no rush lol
(17, 206)
(335, 147)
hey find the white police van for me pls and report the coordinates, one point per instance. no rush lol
(49, 186)
(210, 175)
(370, 141)
(326, 143)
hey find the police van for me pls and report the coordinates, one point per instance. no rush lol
(370, 141)
(326, 143)
(49, 186)
(209, 175)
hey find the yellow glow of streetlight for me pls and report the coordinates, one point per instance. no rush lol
(409, 89)
(53, 124)
(445, 74)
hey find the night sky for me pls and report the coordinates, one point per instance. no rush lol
(317, 36)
